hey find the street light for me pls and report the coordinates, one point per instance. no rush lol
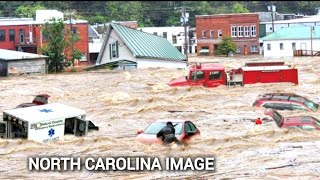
(311, 31)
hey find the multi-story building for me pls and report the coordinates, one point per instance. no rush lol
(175, 35)
(25, 34)
(242, 28)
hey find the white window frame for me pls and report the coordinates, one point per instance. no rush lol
(240, 31)
(281, 47)
(269, 45)
(253, 31)
(246, 31)
(254, 48)
(204, 34)
(212, 33)
(233, 31)
(113, 50)
(219, 33)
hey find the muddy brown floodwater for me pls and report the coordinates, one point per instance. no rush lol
(121, 102)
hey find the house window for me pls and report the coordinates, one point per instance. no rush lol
(11, 35)
(164, 35)
(254, 48)
(253, 31)
(155, 33)
(211, 33)
(238, 49)
(281, 46)
(74, 30)
(114, 50)
(293, 46)
(21, 34)
(2, 35)
(220, 33)
(174, 39)
(234, 31)
(240, 31)
(204, 34)
(246, 31)
(268, 47)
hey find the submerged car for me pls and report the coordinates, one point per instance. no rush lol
(285, 101)
(184, 131)
(303, 122)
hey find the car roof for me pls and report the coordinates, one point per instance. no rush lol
(282, 97)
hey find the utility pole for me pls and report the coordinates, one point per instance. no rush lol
(272, 8)
(184, 20)
(311, 31)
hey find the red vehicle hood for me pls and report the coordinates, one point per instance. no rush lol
(179, 82)
(152, 138)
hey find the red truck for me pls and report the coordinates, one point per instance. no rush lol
(213, 75)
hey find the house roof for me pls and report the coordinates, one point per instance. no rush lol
(293, 33)
(92, 32)
(17, 55)
(310, 19)
(145, 45)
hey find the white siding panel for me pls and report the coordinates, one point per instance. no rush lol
(153, 63)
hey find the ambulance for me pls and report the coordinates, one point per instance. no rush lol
(44, 123)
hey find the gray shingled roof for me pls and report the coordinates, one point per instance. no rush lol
(17, 55)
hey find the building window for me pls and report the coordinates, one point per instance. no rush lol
(204, 34)
(293, 46)
(240, 31)
(2, 35)
(74, 30)
(174, 39)
(164, 35)
(220, 33)
(238, 49)
(254, 48)
(155, 33)
(234, 31)
(11, 35)
(246, 31)
(281, 46)
(21, 34)
(253, 31)
(211, 34)
(268, 47)
(114, 50)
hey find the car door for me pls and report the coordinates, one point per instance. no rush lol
(197, 78)
(81, 127)
(3, 129)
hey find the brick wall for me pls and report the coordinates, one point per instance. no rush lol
(224, 23)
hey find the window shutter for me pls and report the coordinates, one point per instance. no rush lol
(117, 48)
(110, 51)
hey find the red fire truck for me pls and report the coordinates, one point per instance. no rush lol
(213, 75)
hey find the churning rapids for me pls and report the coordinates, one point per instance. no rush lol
(121, 102)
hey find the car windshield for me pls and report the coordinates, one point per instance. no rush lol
(311, 105)
(278, 118)
(155, 127)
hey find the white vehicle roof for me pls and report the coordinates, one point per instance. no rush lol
(45, 112)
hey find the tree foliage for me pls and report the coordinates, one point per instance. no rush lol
(226, 46)
(239, 8)
(28, 10)
(59, 46)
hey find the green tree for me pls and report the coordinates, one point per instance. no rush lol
(28, 10)
(239, 8)
(226, 46)
(60, 41)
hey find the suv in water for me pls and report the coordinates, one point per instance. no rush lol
(285, 101)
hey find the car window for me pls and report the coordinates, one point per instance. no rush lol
(197, 75)
(311, 105)
(278, 118)
(188, 128)
(214, 75)
(192, 126)
(155, 127)
(317, 123)
(268, 105)
(40, 99)
(282, 97)
(282, 106)
(298, 107)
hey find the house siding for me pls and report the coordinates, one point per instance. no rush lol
(153, 63)
(26, 66)
(224, 23)
(287, 47)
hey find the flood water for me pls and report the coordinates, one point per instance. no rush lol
(122, 102)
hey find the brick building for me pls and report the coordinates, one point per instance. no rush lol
(24, 34)
(243, 28)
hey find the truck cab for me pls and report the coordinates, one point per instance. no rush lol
(207, 75)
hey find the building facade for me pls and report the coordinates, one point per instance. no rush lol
(175, 35)
(242, 28)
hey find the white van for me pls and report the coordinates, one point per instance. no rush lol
(43, 123)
